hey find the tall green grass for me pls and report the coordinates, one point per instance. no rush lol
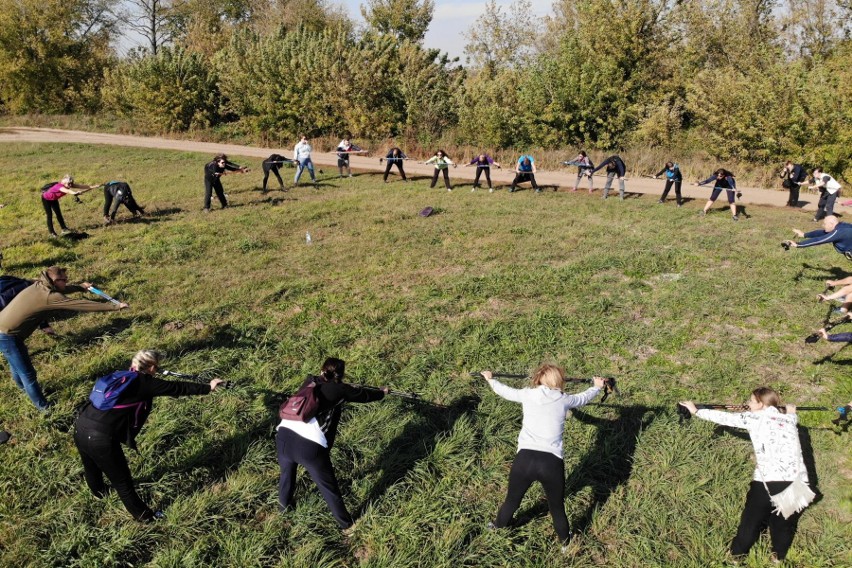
(674, 305)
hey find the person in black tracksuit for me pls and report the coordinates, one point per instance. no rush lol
(309, 443)
(395, 157)
(98, 434)
(614, 168)
(673, 177)
(794, 176)
(116, 193)
(272, 164)
(213, 172)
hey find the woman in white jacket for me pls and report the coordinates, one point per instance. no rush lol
(539, 456)
(779, 462)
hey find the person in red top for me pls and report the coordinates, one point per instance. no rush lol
(51, 196)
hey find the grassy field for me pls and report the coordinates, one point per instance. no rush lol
(673, 305)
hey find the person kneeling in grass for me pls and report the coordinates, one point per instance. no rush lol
(539, 456)
(779, 463)
(99, 434)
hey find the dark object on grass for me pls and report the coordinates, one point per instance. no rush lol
(76, 236)
(426, 211)
(4, 436)
(812, 338)
(785, 245)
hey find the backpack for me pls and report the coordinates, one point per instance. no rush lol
(11, 286)
(47, 186)
(303, 405)
(108, 389)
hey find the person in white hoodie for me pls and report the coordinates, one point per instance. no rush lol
(779, 462)
(539, 456)
(302, 157)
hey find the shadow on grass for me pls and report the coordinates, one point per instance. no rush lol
(606, 466)
(833, 273)
(114, 326)
(417, 441)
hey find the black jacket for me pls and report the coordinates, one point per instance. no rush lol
(124, 424)
(332, 395)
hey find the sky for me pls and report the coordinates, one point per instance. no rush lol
(451, 20)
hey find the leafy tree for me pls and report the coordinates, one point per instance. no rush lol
(171, 91)
(498, 40)
(52, 54)
(404, 19)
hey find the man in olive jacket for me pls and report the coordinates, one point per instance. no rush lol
(41, 301)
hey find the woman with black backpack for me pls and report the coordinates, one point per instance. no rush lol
(307, 438)
(119, 406)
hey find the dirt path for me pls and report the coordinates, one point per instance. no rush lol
(563, 179)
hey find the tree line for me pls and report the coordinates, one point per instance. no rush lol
(746, 80)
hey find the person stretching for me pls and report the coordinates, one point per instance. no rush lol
(673, 177)
(302, 157)
(35, 304)
(723, 180)
(344, 150)
(794, 176)
(483, 163)
(309, 443)
(395, 157)
(99, 434)
(584, 169)
(833, 231)
(213, 172)
(778, 463)
(442, 164)
(614, 167)
(539, 456)
(525, 171)
(50, 201)
(271, 165)
(829, 189)
(115, 194)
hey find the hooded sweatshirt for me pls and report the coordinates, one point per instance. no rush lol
(545, 410)
(42, 301)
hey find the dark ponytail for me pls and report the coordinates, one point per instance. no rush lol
(333, 369)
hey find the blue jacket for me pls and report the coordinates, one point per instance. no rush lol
(727, 182)
(840, 237)
(671, 174)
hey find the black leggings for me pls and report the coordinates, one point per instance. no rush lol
(123, 195)
(102, 455)
(758, 514)
(209, 186)
(267, 167)
(294, 450)
(479, 172)
(668, 188)
(51, 207)
(446, 172)
(524, 177)
(549, 470)
(398, 164)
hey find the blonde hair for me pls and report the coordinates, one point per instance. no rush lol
(548, 375)
(145, 359)
(767, 397)
(67, 179)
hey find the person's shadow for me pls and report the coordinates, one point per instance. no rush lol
(416, 442)
(606, 466)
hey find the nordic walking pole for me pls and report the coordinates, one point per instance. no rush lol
(194, 378)
(684, 413)
(609, 382)
(104, 295)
